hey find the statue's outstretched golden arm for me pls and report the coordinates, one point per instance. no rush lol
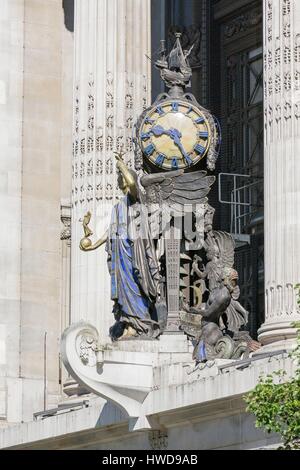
(127, 175)
(86, 243)
(86, 220)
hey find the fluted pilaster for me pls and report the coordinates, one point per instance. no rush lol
(111, 88)
(282, 168)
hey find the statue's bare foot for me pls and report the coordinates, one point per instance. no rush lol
(129, 331)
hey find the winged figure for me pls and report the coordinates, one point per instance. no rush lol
(131, 261)
(168, 194)
(177, 187)
(219, 270)
(223, 316)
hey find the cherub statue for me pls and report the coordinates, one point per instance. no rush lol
(132, 260)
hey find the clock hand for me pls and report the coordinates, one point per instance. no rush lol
(158, 131)
(176, 135)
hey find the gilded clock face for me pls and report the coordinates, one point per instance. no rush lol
(174, 135)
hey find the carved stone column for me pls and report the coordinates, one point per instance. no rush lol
(65, 237)
(282, 169)
(111, 88)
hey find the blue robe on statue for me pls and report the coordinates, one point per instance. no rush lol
(133, 267)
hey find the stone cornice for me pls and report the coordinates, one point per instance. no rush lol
(203, 397)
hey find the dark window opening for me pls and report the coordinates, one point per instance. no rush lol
(228, 80)
(68, 6)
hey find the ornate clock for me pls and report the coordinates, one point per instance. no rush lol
(175, 134)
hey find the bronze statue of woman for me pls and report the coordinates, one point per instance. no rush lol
(132, 260)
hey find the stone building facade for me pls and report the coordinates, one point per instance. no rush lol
(36, 143)
(72, 83)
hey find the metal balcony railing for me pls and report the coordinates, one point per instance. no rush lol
(240, 199)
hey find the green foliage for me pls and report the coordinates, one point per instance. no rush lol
(275, 401)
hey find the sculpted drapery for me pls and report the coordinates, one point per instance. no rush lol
(131, 260)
